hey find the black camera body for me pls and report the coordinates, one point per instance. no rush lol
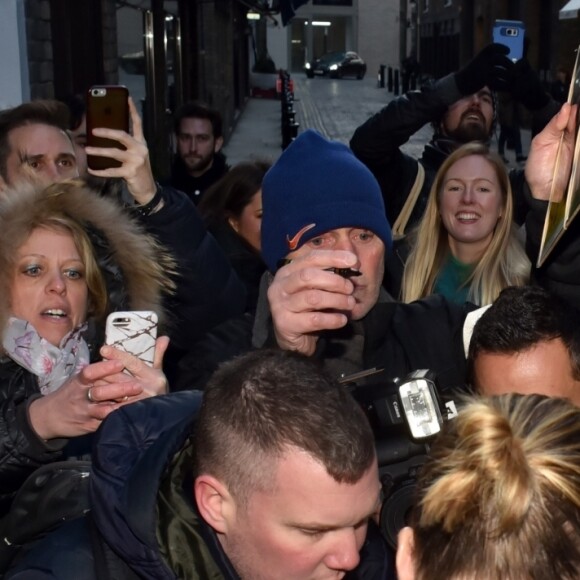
(405, 414)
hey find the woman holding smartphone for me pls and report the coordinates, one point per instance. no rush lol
(67, 259)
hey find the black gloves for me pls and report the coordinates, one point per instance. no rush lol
(490, 67)
(527, 88)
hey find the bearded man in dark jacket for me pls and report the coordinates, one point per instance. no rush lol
(199, 162)
(274, 476)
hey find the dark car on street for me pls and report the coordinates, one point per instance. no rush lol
(337, 65)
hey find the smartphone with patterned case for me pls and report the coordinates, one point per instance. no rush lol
(133, 331)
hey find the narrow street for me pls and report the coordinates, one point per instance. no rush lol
(336, 107)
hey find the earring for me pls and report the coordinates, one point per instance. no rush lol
(233, 224)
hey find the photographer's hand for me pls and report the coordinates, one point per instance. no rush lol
(305, 298)
(490, 67)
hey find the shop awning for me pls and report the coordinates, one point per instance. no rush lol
(570, 10)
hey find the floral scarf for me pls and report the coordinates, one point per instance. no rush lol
(52, 365)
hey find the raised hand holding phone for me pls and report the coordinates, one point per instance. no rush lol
(130, 153)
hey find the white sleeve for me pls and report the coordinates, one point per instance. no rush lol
(469, 324)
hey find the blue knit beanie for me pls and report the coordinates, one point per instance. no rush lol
(317, 186)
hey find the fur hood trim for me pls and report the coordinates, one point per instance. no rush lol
(136, 269)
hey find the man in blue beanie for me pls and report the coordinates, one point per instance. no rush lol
(324, 235)
(324, 238)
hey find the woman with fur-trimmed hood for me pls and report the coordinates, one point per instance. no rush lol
(67, 259)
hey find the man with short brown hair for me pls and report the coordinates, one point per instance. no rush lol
(34, 144)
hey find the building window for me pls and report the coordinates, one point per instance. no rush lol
(332, 2)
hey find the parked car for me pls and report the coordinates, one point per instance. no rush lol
(337, 65)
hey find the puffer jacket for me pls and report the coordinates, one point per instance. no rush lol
(378, 141)
(21, 450)
(137, 271)
(141, 498)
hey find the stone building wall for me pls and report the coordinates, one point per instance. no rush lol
(378, 33)
(98, 43)
(39, 42)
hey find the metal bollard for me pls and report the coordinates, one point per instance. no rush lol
(290, 134)
(288, 124)
(396, 82)
(390, 80)
(381, 76)
(290, 119)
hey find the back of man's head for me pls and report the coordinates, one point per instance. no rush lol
(499, 494)
(195, 110)
(522, 318)
(42, 112)
(263, 404)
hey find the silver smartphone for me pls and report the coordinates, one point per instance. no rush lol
(133, 331)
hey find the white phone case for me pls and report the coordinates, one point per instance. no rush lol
(133, 332)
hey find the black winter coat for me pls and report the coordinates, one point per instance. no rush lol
(246, 261)
(208, 290)
(427, 334)
(21, 449)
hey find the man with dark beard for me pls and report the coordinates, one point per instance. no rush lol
(199, 162)
(461, 108)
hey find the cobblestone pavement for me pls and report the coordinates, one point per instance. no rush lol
(333, 107)
(336, 107)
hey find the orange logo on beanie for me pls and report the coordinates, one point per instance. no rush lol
(295, 240)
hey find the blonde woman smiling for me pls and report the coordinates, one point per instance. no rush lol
(466, 246)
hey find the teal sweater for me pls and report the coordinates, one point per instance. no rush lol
(451, 280)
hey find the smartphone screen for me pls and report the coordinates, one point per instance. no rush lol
(106, 107)
(134, 332)
(510, 33)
